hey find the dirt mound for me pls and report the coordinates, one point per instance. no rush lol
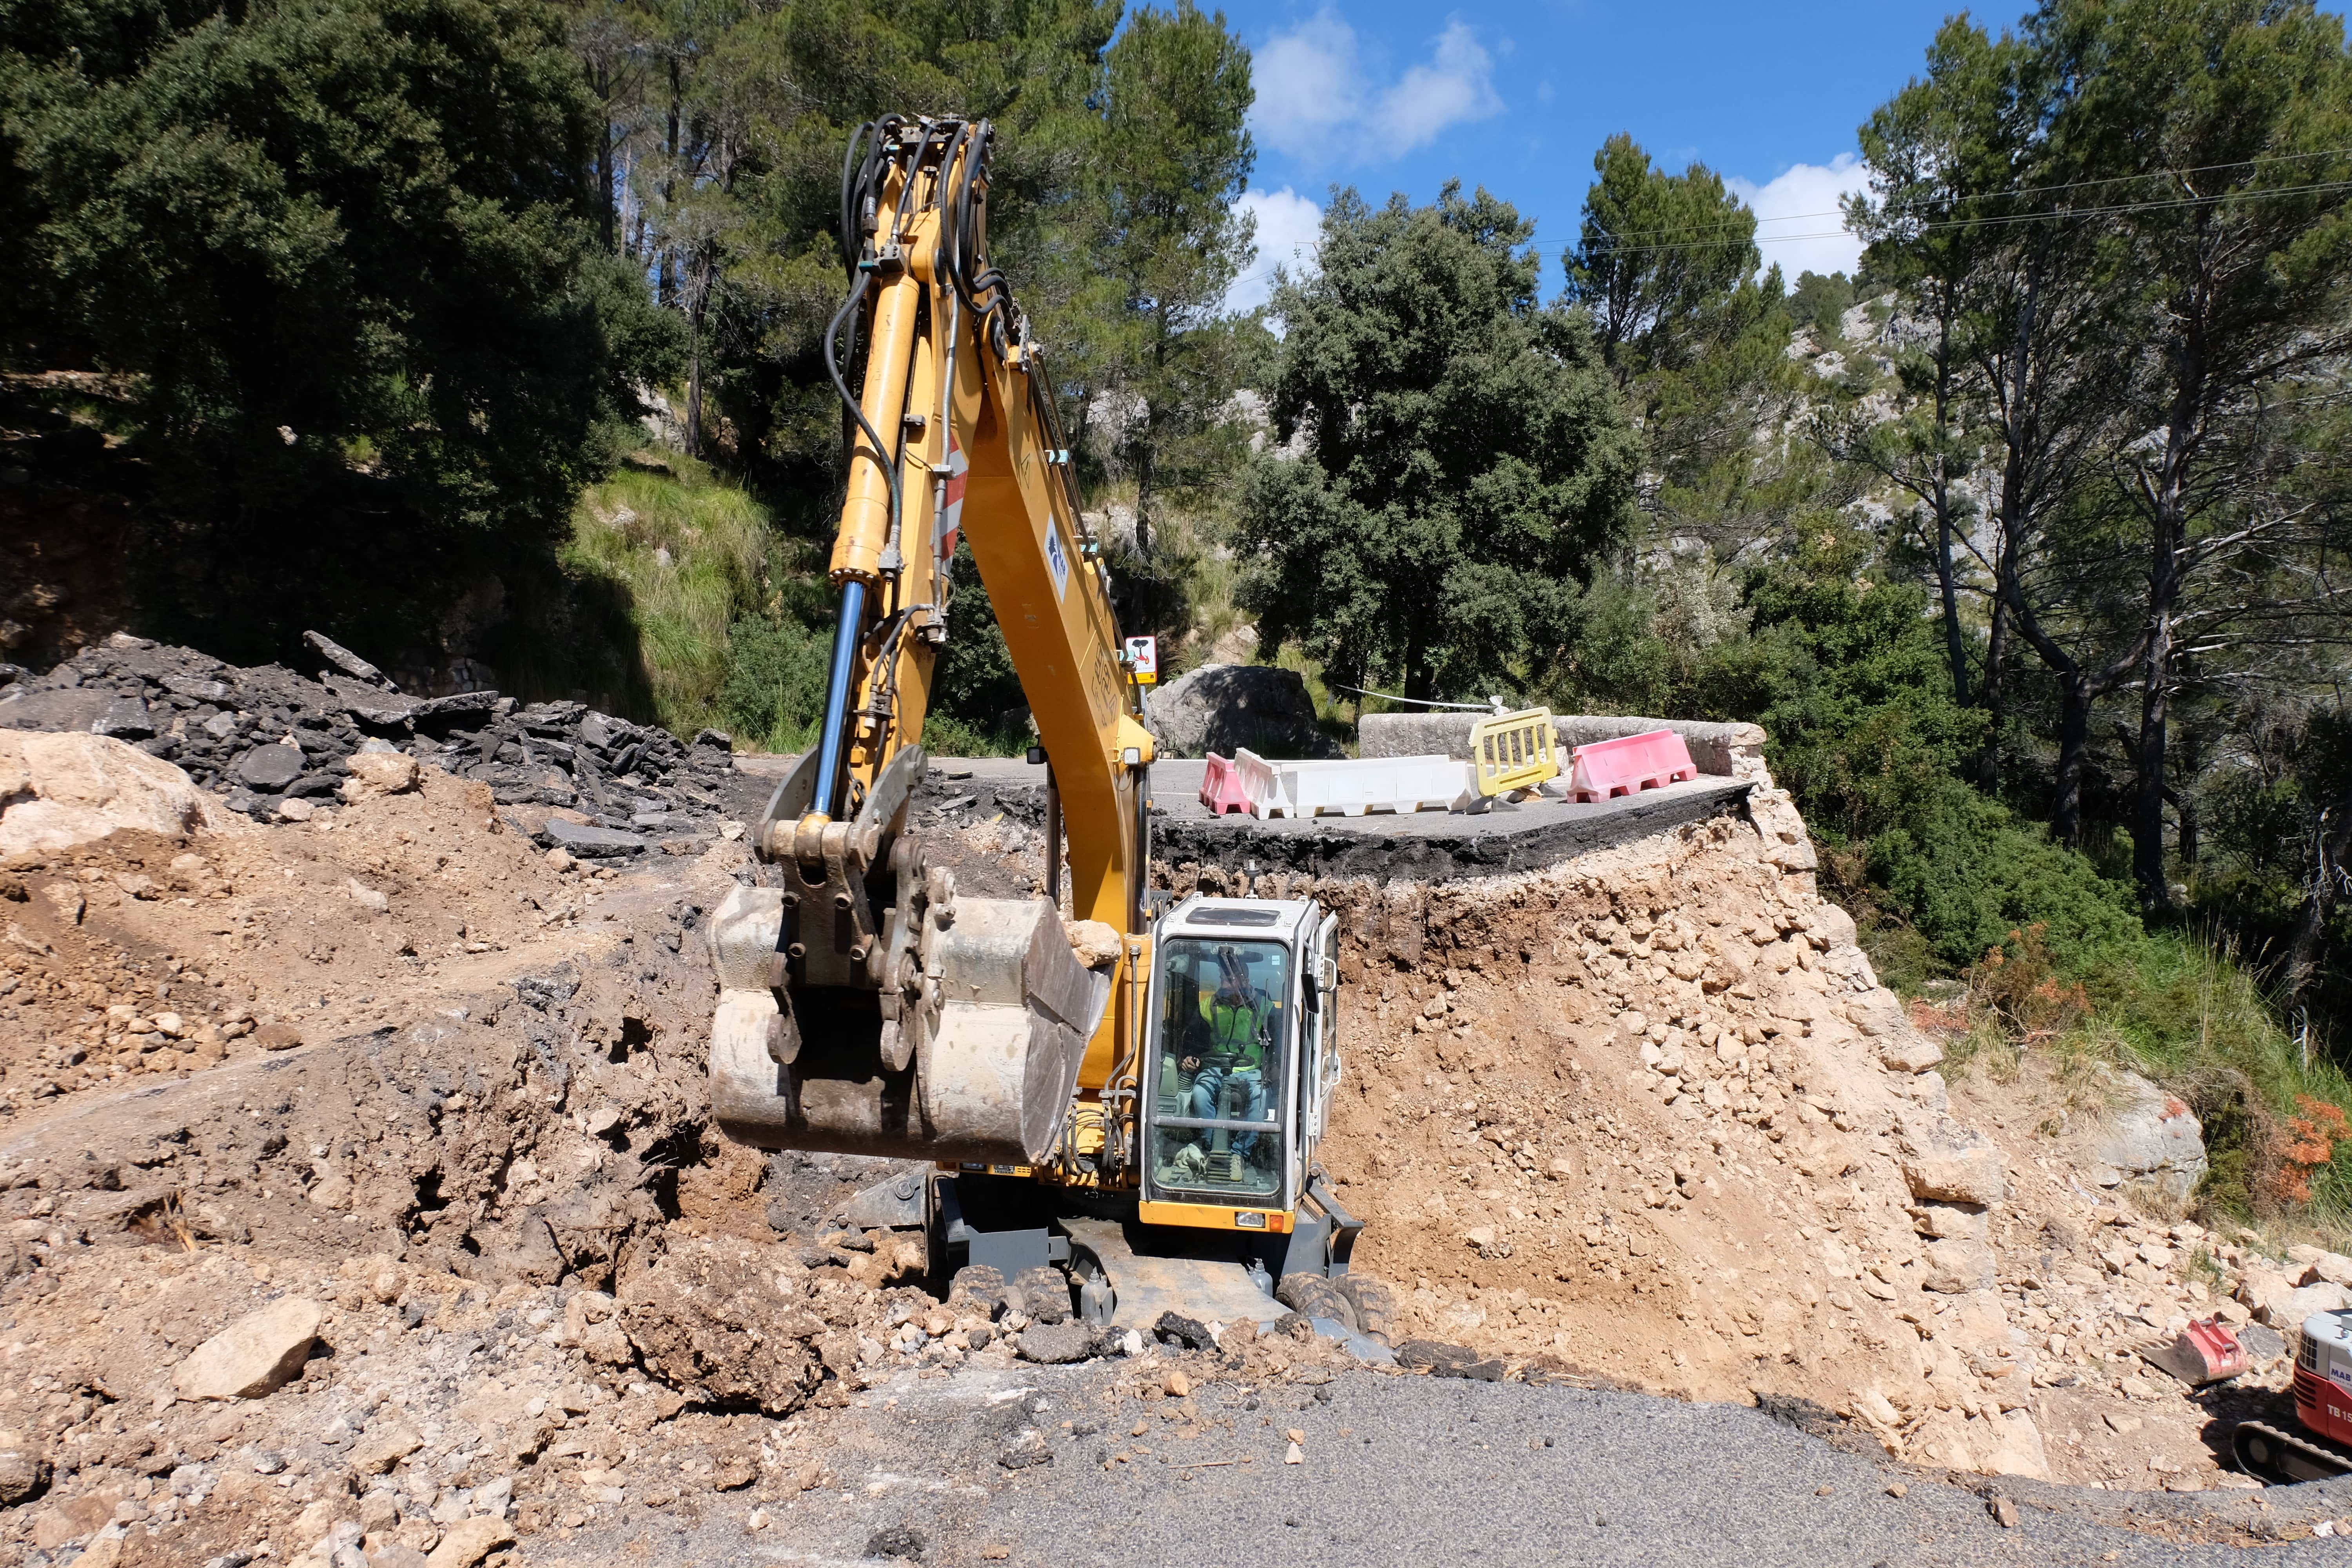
(1649, 1116)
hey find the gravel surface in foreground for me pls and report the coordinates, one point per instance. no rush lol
(1413, 1470)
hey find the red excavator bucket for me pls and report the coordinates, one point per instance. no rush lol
(2204, 1352)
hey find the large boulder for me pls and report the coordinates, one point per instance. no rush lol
(255, 1354)
(1223, 708)
(1958, 1176)
(2148, 1141)
(57, 791)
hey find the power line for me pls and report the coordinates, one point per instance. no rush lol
(1988, 220)
(1999, 219)
(2036, 190)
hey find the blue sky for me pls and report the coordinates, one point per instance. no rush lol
(1393, 97)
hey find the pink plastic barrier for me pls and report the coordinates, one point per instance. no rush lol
(1628, 764)
(1220, 788)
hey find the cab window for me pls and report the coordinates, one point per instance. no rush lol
(1221, 1077)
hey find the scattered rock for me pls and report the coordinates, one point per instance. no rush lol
(1968, 1176)
(1442, 1360)
(1909, 1051)
(1057, 1344)
(271, 767)
(590, 842)
(254, 1355)
(73, 1519)
(897, 1540)
(380, 772)
(1956, 1267)
(1175, 1329)
(1953, 1221)
(385, 1445)
(1026, 1452)
(2149, 1140)
(709, 1317)
(23, 1476)
(1095, 942)
(469, 1542)
(1879, 1014)
(2288, 1311)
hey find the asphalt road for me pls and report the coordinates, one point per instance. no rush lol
(1411, 1470)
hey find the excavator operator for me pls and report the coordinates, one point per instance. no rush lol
(1236, 1013)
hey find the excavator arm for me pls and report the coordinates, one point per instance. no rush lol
(864, 1006)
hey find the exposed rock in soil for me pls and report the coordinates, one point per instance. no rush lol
(1224, 707)
(726, 1320)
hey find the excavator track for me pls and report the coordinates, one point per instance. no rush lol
(2284, 1459)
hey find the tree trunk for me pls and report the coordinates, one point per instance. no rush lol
(2167, 537)
(1420, 678)
(694, 382)
(2147, 780)
(666, 281)
(2310, 927)
(1143, 476)
(1953, 648)
(601, 80)
(2073, 751)
(1992, 696)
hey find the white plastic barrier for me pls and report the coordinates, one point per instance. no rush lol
(1352, 787)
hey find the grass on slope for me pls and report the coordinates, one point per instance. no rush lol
(2185, 1012)
(690, 551)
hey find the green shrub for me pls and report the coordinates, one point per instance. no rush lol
(774, 690)
(1965, 874)
(974, 684)
(944, 735)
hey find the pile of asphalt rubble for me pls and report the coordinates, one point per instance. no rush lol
(277, 745)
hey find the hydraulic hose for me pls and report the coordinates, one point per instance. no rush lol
(834, 741)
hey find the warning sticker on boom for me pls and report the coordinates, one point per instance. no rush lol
(1059, 559)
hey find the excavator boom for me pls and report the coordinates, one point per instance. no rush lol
(864, 1006)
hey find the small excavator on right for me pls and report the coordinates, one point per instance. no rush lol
(2323, 1409)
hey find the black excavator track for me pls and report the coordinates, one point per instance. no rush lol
(2283, 1459)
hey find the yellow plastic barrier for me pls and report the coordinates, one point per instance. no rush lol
(1514, 750)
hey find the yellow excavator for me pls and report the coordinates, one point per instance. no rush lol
(1145, 1119)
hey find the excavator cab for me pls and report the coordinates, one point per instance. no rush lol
(1240, 1000)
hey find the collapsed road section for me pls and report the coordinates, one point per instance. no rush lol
(361, 1189)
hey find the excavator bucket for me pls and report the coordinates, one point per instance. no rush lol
(1007, 1012)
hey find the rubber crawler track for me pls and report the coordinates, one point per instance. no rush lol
(2291, 1458)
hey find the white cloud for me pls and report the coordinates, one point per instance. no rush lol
(1309, 83)
(1452, 88)
(1315, 95)
(1289, 226)
(1798, 221)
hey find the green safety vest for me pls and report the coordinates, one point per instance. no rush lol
(1234, 1030)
